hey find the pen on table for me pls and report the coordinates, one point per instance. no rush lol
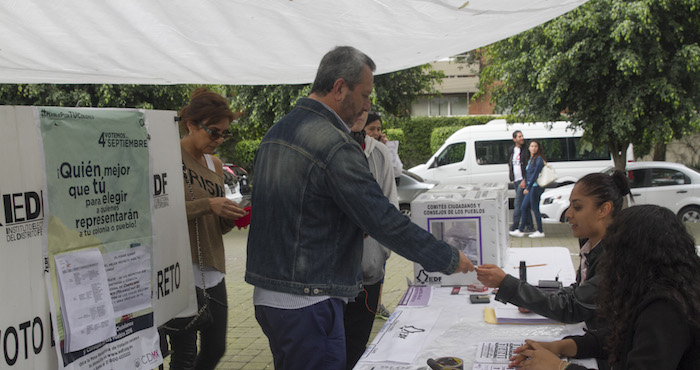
(541, 264)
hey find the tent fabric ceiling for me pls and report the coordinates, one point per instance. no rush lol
(243, 42)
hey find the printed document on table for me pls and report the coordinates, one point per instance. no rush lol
(495, 355)
(402, 337)
(417, 296)
(88, 315)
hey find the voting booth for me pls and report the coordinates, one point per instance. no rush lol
(472, 218)
(95, 251)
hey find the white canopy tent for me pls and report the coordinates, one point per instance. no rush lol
(243, 41)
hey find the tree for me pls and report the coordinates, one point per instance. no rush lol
(168, 97)
(624, 71)
(264, 105)
(397, 90)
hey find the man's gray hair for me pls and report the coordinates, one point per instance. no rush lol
(344, 62)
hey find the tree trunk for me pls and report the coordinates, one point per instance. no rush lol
(619, 154)
(659, 152)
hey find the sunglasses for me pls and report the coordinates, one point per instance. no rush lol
(215, 134)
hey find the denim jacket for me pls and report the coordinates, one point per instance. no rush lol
(313, 196)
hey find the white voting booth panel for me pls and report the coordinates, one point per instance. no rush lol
(470, 218)
(26, 334)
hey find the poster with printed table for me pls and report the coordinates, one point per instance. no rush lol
(99, 235)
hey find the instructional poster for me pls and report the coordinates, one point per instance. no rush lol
(99, 237)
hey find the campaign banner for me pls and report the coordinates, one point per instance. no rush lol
(26, 326)
(97, 202)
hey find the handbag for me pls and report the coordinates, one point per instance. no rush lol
(547, 176)
(203, 317)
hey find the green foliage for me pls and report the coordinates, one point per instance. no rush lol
(395, 134)
(626, 71)
(440, 134)
(171, 97)
(262, 106)
(397, 90)
(245, 153)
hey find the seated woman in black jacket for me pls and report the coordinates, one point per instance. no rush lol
(649, 294)
(595, 201)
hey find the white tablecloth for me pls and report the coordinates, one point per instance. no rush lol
(460, 325)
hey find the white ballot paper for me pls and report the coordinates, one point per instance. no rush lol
(86, 306)
(496, 355)
(129, 277)
(402, 337)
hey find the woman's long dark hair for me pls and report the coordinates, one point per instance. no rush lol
(647, 251)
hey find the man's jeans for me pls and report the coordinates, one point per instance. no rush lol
(517, 214)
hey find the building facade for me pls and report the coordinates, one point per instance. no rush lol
(457, 90)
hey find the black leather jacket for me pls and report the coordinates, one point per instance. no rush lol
(661, 338)
(571, 304)
(524, 158)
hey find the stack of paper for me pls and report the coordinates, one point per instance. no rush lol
(417, 296)
(510, 315)
(495, 355)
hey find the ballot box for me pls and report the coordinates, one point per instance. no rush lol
(468, 218)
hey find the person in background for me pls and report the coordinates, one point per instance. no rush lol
(373, 128)
(204, 124)
(359, 315)
(315, 198)
(649, 293)
(517, 162)
(595, 201)
(532, 191)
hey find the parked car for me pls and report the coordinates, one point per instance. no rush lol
(666, 184)
(236, 183)
(409, 186)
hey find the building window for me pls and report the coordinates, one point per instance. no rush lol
(441, 106)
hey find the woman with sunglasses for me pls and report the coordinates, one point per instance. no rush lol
(204, 125)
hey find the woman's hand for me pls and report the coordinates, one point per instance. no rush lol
(490, 275)
(535, 356)
(226, 208)
(525, 191)
(383, 138)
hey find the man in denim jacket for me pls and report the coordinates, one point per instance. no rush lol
(314, 197)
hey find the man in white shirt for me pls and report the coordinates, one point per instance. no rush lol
(517, 161)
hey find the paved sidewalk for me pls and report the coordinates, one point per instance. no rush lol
(247, 346)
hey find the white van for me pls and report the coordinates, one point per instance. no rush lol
(479, 153)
